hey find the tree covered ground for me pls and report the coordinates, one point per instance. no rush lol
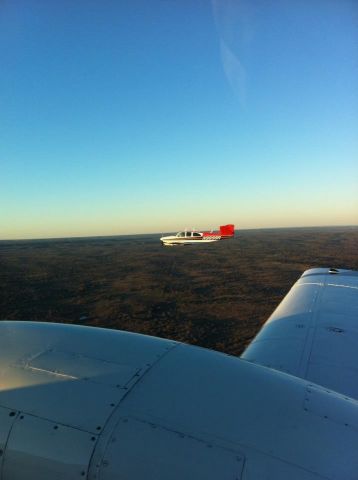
(215, 295)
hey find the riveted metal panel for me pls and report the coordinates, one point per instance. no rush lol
(75, 402)
(7, 418)
(335, 344)
(139, 449)
(313, 333)
(20, 340)
(341, 298)
(331, 406)
(298, 302)
(73, 365)
(284, 341)
(72, 375)
(335, 378)
(278, 353)
(42, 450)
(238, 404)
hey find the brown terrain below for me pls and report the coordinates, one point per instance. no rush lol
(216, 295)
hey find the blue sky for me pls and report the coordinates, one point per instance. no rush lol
(135, 116)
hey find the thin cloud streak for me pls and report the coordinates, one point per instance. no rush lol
(234, 71)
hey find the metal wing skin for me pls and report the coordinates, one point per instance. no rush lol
(313, 334)
(81, 402)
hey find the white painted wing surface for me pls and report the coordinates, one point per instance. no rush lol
(81, 402)
(313, 333)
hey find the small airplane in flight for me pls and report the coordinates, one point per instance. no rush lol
(189, 237)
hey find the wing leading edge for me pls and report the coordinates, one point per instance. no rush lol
(313, 333)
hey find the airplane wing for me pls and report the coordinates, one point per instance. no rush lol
(313, 333)
(98, 404)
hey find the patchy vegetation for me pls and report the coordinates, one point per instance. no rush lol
(216, 296)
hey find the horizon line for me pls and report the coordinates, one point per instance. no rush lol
(22, 239)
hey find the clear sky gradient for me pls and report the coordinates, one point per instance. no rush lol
(151, 116)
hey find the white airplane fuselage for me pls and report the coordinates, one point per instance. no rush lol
(188, 238)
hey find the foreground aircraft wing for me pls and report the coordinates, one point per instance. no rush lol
(98, 404)
(313, 333)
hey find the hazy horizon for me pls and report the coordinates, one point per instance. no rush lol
(133, 234)
(158, 116)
